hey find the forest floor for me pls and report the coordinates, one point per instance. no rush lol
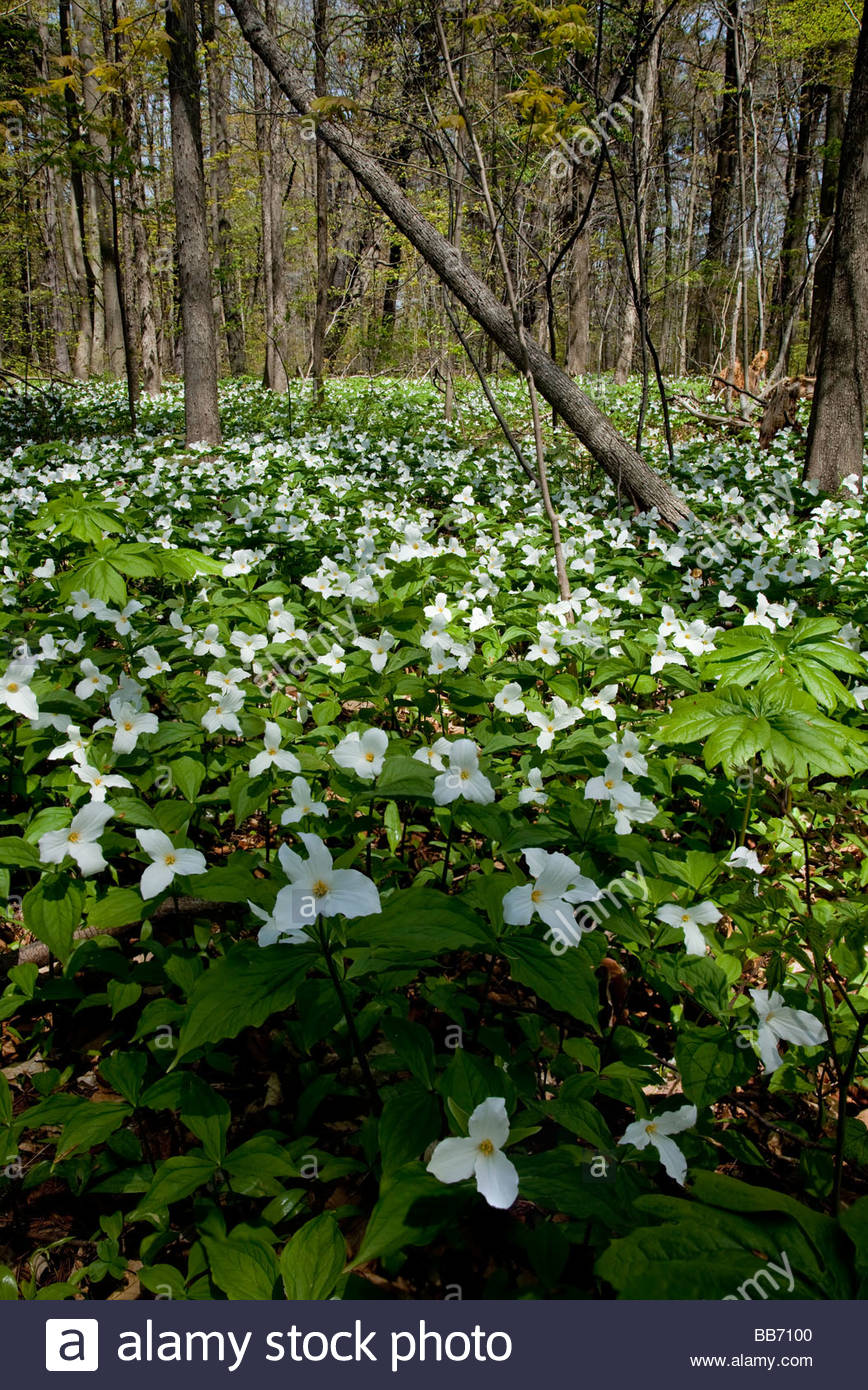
(440, 934)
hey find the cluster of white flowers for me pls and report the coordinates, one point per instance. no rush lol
(623, 759)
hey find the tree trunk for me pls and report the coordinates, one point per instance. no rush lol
(836, 433)
(260, 102)
(623, 464)
(792, 259)
(150, 358)
(828, 195)
(688, 256)
(83, 275)
(578, 283)
(642, 150)
(101, 207)
(56, 300)
(320, 317)
(201, 409)
(718, 251)
(221, 191)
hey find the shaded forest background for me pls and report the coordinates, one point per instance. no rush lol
(677, 162)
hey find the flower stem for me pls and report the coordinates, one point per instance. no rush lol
(449, 836)
(355, 1040)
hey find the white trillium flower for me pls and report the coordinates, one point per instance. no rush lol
(558, 885)
(744, 858)
(80, 839)
(624, 756)
(508, 700)
(15, 690)
(226, 680)
(432, 756)
(658, 1132)
(272, 755)
(534, 789)
(779, 1022)
(439, 609)
(480, 1156)
(462, 777)
(130, 724)
(248, 644)
(601, 702)
(209, 643)
(481, 617)
(75, 746)
(612, 788)
(333, 660)
(543, 650)
(273, 933)
(317, 888)
(93, 681)
(154, 664)
(362, 753)
(223, 714)
(242, 562)
(99, 782)
(379, 648)
(689, 920)
(122, 620)
(168, 862)
(561, 716)
(630, 810)
(83, 606)
(438, 661)
(303, 803)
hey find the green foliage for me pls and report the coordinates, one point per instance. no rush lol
(226, 1115)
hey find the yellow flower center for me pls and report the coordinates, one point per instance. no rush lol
(486, 1147)
(272, 752)
(12, 686)
(320, 889)
(369, 757)
(685, 916)
(128, 726)
(74, 837)
(464, 775)
(536, 895)
(650, 1129)
(169, 859)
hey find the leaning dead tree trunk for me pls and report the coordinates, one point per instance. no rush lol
(621, 462)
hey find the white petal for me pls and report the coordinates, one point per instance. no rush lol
(674, 1121)
(517, 906)
(54, 846)
(91, 820)
(453, 1160)
(694, 941)
(350, 893)
(497, 1179)
(490, 1121)
(798, 1026)
(189, 861)
(156, 877)
(88, 856)
(155, 843)
(768, 1046)
(671, 1157)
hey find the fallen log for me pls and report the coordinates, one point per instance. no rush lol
(38, 953)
